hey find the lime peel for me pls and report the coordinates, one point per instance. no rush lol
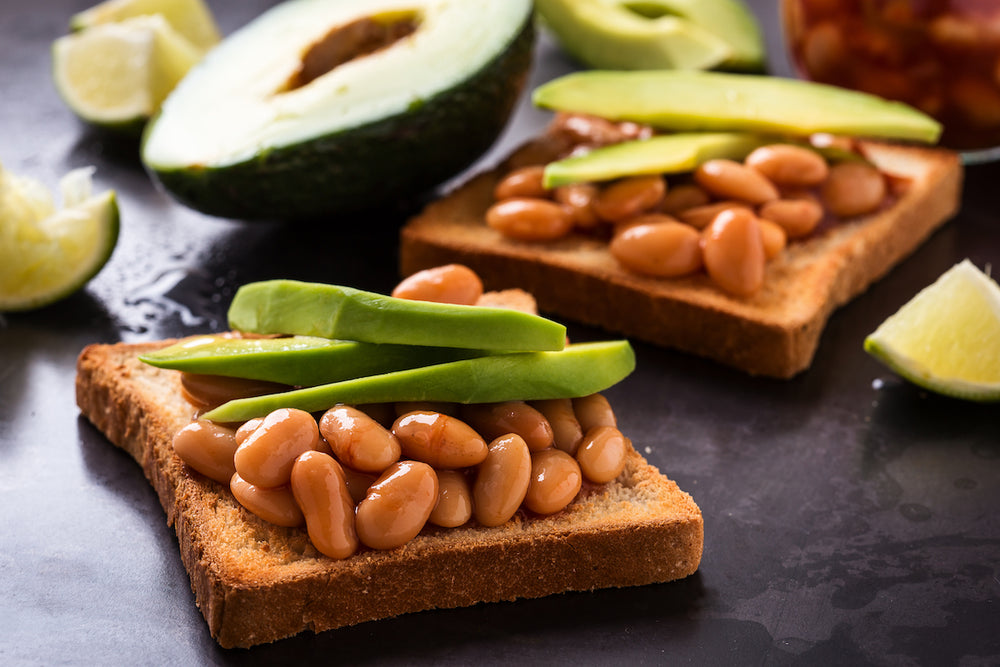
(946, 339)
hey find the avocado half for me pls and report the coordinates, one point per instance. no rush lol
(325, 107)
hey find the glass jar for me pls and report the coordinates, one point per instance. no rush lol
(940, 56)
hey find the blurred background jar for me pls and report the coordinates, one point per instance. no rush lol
(940, 56)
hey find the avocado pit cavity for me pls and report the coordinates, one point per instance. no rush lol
(357, 39)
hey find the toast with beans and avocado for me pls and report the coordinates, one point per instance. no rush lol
(723, 215)
(404, 476)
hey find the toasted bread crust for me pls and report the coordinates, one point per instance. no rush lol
(255, 582)
(773, 333)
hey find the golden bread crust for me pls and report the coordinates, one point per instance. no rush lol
(773, 333)
(255, 582)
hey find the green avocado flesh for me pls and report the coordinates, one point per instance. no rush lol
(578, 370)
(656, 34)
(665, 154)
(687, 101)
(301, 361)
(333, 311)
(325, 107)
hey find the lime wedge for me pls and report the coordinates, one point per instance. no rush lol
(190, 18)
(947, 338)
(116, 75)
(47, 254)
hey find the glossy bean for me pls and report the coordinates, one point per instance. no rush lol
(209, 391)
(729, 179)
(527, 219)
(397, 505)
(246, 428)
(630, 196)
(734, 252)
(602, 454)
(798, 217)
(501, 481)
(773, 237)
(555, 481)
(208, 448)
(451, 283)
(357, 440)
(700, 217)
(274, 505)
(853, 188)
(522, 182)
(578, 200)
(439, 440)
(317, 482)
(659, 247)
(491, 420)
(683, 197)
(594, 410)
(566, 430)
(266, 457)
(454, 503)
(787, 165)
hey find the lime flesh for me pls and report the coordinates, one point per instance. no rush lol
(47, 254)
(947, 338)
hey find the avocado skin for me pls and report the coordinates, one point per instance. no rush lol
(369, 167)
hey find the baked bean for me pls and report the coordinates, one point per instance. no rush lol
(317, 482)
(209, 391)
(491, 420)
(798, 217)
(566, 431)
(357, 483)
(596, 131)
(439, 440)
(853, 188)
(787, 165)
(729, 179)
(682, 197)
(357, 440)
(578, 200)
(594, 410)
(397, 505)
(522, 182)
(602, 454)
(824, 50)
(502, 481)
(277, 505)
(657, 246)
(700, 217)
(454, 503)
(451, 283)
(555, 481)
(734, 252)
(208, 448)
(266, 457)
(527, 219)
(630, 196)
(246, 428)
(773, 237)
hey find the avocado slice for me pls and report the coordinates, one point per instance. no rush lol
(687, 101)
(325, 107)
(580, 369)
(656, 34)
(663, 154)
(300, 361)
(334, 311)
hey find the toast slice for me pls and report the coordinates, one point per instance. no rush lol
(256, 582)
(773, 333)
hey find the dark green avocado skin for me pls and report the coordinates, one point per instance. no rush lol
(373, 166)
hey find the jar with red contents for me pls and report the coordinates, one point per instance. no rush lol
(940, 56)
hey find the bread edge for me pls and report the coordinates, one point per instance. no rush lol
(244, 609)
